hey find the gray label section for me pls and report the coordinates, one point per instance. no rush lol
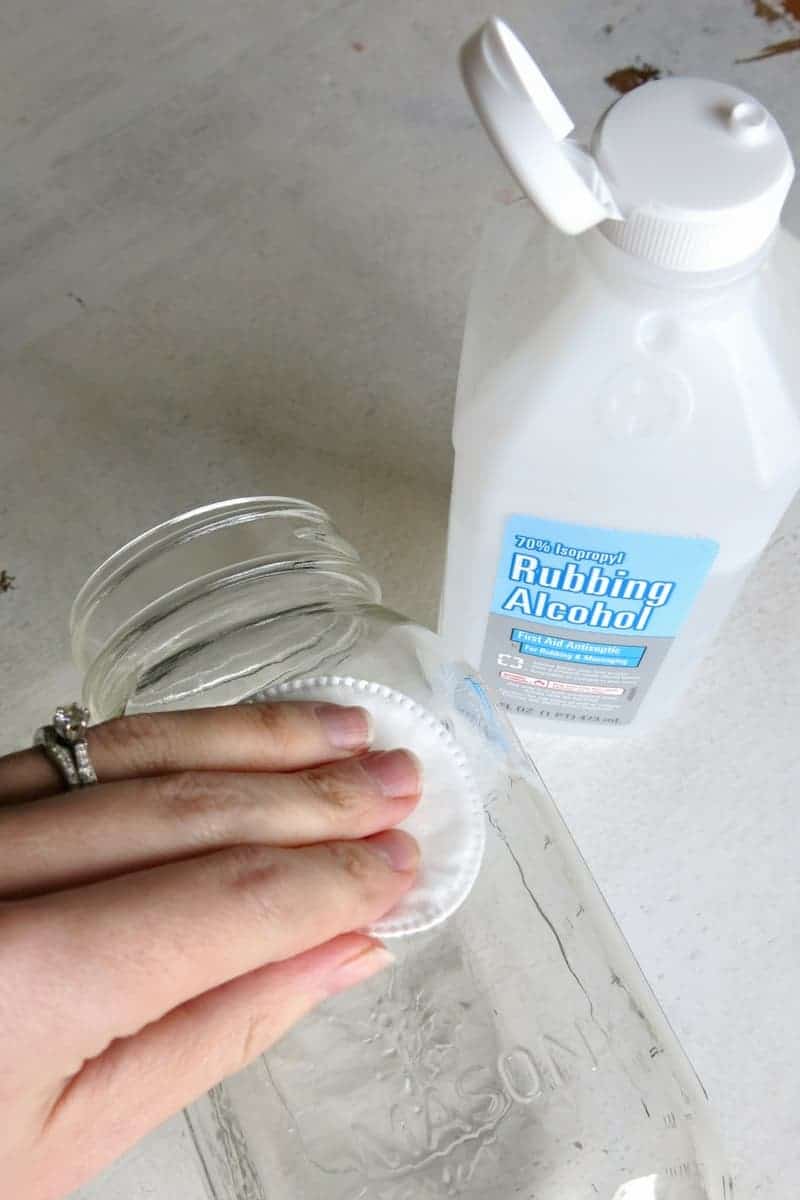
(542, 684)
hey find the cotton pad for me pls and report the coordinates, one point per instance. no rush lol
(448, 822)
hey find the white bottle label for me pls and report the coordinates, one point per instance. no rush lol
(582, 618)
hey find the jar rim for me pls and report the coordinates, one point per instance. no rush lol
(181, 527)
(201, 549)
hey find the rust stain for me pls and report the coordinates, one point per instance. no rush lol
(790, 46)
(792, 9)
(6, 581)
(766, 12)
(625, 79)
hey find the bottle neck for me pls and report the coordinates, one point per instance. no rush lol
(216, 604)
(648, 282)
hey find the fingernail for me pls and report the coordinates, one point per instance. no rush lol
(346, 728)
(397, 772)
(361, 966)
(398, 849)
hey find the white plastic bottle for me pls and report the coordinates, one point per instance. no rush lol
(627, 432)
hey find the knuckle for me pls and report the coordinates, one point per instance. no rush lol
(279, 724)
(344, 792)
(362, 881)
(143, 739)
(261, 879)
(257, 871)
(204, 803)
(248, 860)
(355, 861)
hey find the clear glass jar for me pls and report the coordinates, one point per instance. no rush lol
(513, 1051)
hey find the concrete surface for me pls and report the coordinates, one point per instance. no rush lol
(236, 240)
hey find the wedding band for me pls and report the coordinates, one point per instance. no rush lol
(58, 754)
(64, 743)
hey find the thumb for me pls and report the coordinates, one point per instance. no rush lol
(139, 1081)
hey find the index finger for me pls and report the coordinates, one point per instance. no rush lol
(242, 737)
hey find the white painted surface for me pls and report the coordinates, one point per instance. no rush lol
(235, 257)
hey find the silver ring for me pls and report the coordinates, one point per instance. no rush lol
(64, 743)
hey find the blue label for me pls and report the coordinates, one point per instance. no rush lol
(594, 654)
(578, 579)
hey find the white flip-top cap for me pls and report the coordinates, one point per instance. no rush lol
(686, 173)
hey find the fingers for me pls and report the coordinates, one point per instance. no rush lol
(243, 737)
(100, 962)
(114, 829)
(140, 1081)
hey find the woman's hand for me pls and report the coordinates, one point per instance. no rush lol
(163, 927)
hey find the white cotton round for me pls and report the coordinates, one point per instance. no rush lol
(448, 822)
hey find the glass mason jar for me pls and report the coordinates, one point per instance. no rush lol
(515, 1050)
